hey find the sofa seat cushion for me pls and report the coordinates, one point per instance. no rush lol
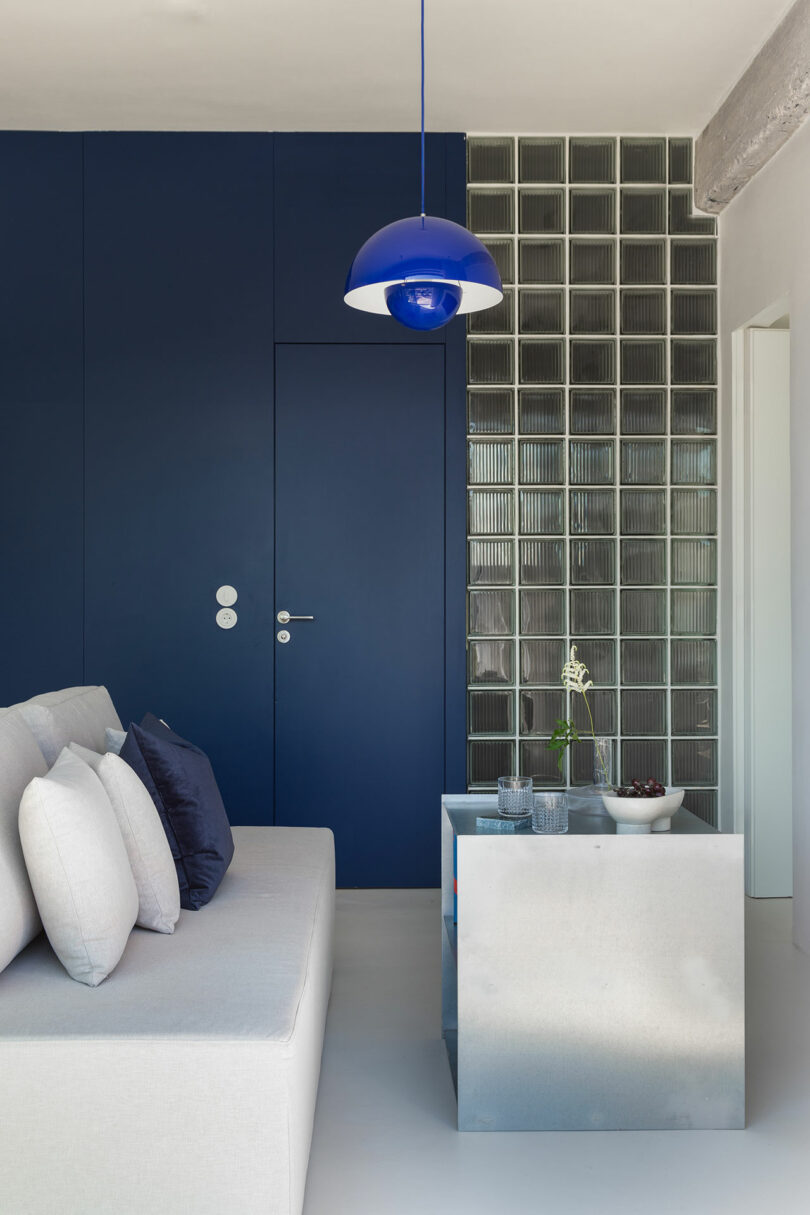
(235, 970)
(70, 715)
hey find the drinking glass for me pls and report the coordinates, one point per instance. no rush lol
(514, 796)
(550, 814)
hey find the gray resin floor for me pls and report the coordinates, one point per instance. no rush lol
(385, 1141)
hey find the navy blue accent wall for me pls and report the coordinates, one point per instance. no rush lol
(41, 482)
(146, 281)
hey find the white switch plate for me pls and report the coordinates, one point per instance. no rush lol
(227, 596)
(226, 618)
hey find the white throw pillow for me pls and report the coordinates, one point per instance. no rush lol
(150, 856)
(20, 761)
(79, 869)
(114, 740)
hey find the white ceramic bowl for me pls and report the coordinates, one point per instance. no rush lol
(639, 815)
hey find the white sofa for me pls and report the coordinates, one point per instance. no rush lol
(187, 1081)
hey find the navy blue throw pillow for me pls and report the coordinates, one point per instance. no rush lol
(181, 782)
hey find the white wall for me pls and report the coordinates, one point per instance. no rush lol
(765, 260)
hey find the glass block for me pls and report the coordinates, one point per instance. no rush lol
(490, 158)
(542, 562)
(694, 761)
(542, 361)
(680, 162)
(694, 662)
(541, 312)
(593, 362)
(643, 362)
(541, 160)
(490, 562)
(643, 211)
(592, 211)
(603, 708)
(489, 462)
(540, 711)
(541, 261)
(503, 254)
(644, 759)
(644, 563)
(694, 512)
(541, 462)
(693, 311)
(590, 462)
(542, 611)
(592, 411)
(582, 761)
(694, 411)
(541, 512)
(644, 661)
(541, 661)
(599, 657)
(491, 210)
(541, 411)
(695, 563)
(491, 661)
(644, 411)
(694, 612)
(703, 804)
(693, 262)
(643, 160)
(681, 220)
(593, 611)
(593, 512)
(643, 312)
(644, 613)
(592, 261)
(489, 759)
(491, 512)
(642, 262)
(643, 512)
(490, 411)
(644, 711)
(491, 713)
(542, 211)
(492, 613)
(694, 462)
(593, 562)
(591, 160)
(694, 711)
(498, 319)
(592, 311)
(490, 362)
(643, 461)
(541, 764)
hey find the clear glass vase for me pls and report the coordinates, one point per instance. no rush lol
(587, 799)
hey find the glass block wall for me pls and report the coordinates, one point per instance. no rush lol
(592, 416)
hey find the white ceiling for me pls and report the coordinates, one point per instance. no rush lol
(493, 65)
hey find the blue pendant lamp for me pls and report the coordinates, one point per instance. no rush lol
(423, 270)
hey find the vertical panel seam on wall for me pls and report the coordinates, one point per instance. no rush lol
(83, 138)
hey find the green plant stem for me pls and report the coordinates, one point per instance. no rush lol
(593, 736)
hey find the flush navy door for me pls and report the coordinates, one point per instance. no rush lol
(360, 489)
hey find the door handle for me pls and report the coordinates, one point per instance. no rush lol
(285, 617)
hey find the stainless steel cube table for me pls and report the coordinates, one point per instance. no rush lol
(593, 981)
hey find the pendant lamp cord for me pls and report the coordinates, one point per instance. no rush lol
(423, 108)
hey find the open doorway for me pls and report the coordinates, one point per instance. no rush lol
(763, 785)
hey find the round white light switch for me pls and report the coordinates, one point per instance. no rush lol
(226, 618)
(227, 596)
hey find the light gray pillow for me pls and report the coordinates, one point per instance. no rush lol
(79, 869)
(70, 715)
(114, 740)
(20, 761)
(150, 856)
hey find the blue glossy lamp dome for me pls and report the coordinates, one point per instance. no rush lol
(422, 271)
